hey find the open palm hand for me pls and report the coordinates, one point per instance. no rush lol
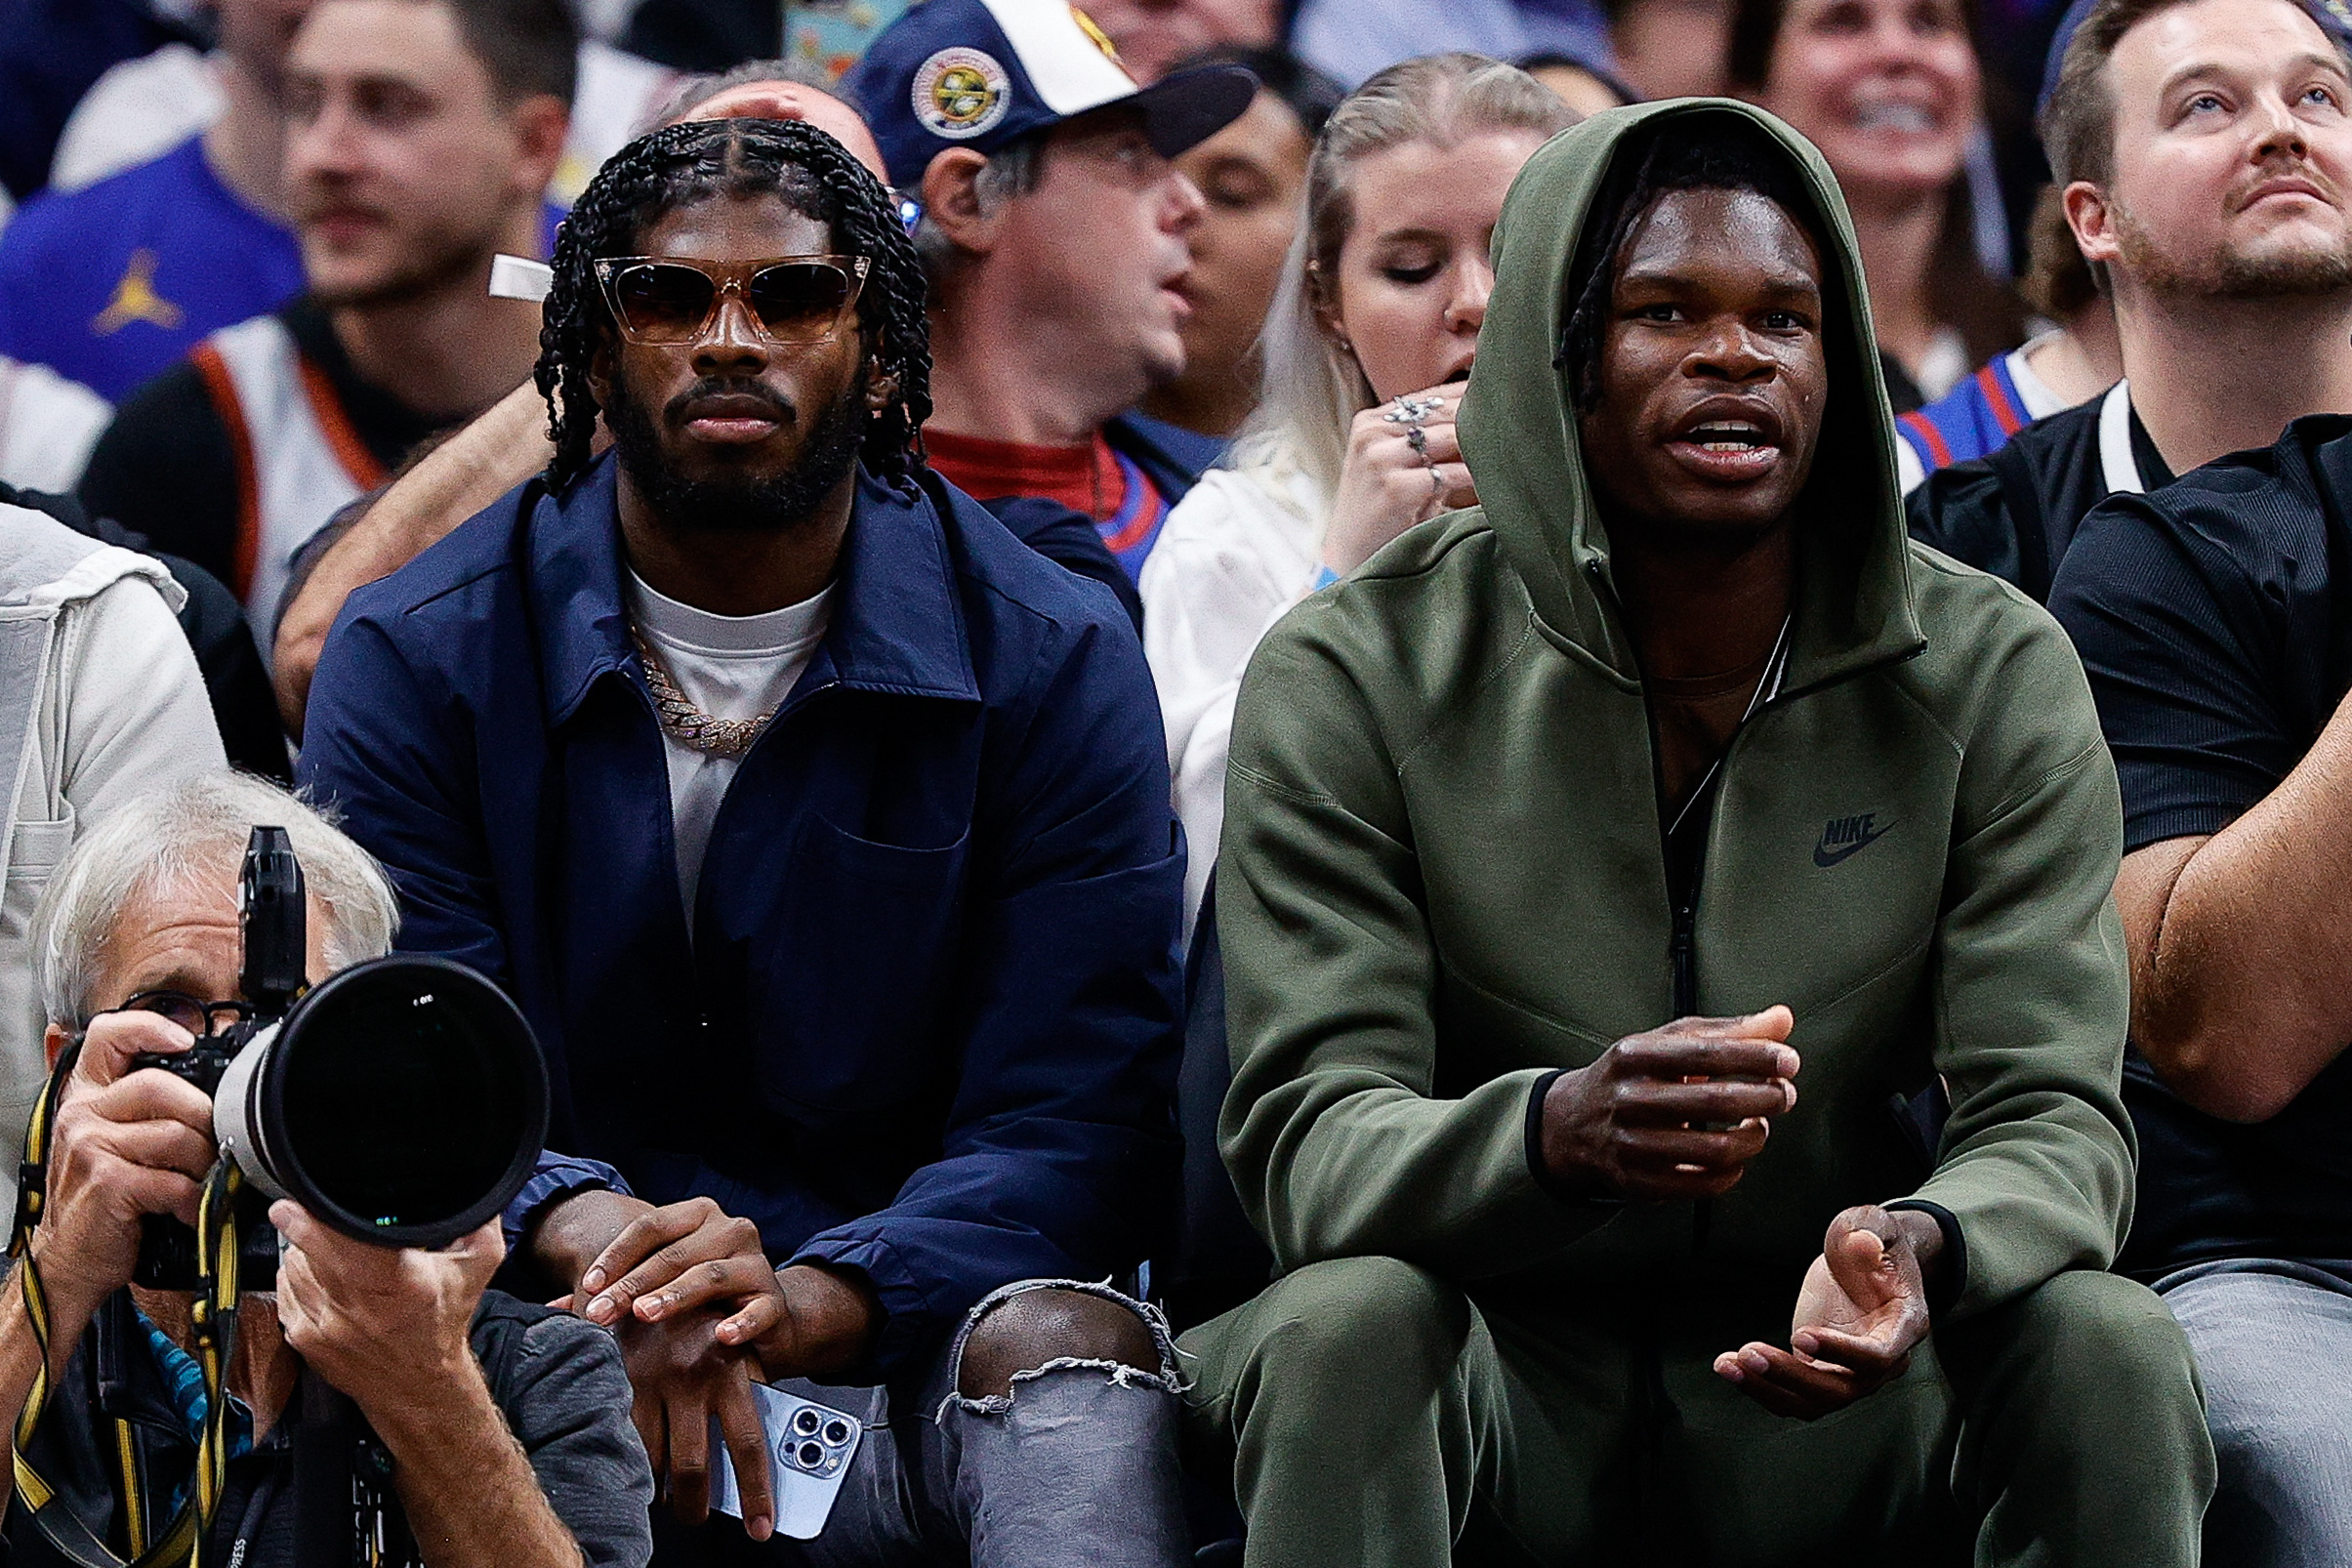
(1860, 1313)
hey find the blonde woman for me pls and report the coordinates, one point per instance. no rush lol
(1370, 336)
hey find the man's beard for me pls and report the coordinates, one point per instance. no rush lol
(2281, 273)
(736, 504)
(435, 263)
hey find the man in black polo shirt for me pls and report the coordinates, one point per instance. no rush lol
(2205, 156)
(2216, 626)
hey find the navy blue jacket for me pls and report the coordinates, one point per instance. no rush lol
(927, 1023)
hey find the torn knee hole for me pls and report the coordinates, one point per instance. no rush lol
(1037, 1328)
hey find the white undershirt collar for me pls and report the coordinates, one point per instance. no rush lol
(2116, 466)
(771, 633)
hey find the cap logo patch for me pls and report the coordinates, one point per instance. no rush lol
(961, 93)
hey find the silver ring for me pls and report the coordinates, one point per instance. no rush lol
(1412, 410)
(1418, 439)
(1438, 487)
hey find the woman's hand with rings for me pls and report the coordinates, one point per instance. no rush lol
(1403, 465)
(1411, 409)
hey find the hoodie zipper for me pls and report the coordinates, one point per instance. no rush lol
(1681, 945)
(1681, 948)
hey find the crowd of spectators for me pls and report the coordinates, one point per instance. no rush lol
(1372, 782)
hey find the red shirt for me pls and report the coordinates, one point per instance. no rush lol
(1093, 479)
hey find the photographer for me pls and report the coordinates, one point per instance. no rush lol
(506, 1424)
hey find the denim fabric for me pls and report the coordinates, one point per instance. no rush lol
(1076, 1467)
(2274, 1342)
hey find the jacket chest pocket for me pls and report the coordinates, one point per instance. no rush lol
(33, 853)
(854, 998)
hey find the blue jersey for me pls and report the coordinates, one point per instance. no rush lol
(1130, 532)
(110, 284)
(1972, 420)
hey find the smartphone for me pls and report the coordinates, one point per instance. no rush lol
(810, 1446)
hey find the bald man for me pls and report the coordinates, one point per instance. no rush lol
(506, 445)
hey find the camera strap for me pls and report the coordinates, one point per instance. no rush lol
(214, 1318)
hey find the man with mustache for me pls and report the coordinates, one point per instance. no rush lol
(2211, 617)
(420, 136)
(2205, 159)
(823, 828)
(509, 443)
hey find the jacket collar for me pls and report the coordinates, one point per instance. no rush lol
(896, 626)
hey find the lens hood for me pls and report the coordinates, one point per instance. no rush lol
(402, 1101)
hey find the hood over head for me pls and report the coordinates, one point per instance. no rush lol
(1519, 424)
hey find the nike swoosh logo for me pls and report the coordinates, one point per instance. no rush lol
(1825, 857)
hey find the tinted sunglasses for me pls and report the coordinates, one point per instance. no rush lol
(668, 300)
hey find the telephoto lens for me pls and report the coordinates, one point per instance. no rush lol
(402, 1102)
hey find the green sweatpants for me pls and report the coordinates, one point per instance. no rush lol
(1373, 1416)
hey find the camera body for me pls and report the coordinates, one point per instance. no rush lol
(401, 1100)
(203, 1063)
(273, 921)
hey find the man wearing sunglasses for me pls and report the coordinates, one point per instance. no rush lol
(508, 444)
(823, 830)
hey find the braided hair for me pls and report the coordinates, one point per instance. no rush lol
(697, 159)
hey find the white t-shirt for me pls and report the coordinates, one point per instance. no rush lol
(138, 111)
(730, 667)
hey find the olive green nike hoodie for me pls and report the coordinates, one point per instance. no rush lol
(1443, 875)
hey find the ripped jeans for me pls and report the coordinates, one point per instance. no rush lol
(1077, 1467)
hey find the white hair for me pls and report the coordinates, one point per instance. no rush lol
(176, 836)
(1312, 387)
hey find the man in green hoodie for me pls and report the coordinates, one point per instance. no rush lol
(1677, 722)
